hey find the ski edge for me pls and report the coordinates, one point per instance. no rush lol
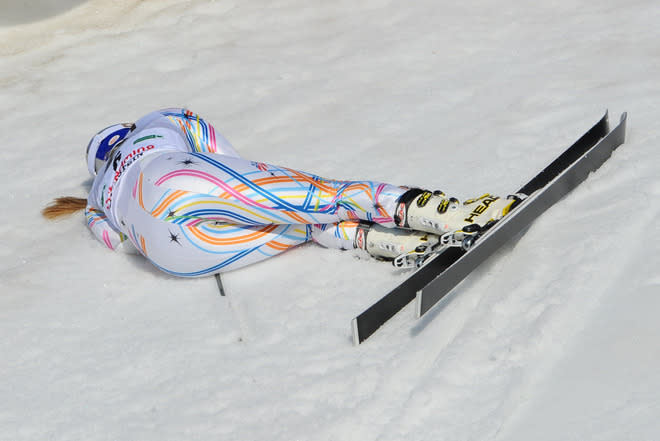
(356, 331)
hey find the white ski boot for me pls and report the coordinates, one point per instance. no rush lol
(390, 243)
(436, 213)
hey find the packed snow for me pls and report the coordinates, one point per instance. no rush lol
(554, 338)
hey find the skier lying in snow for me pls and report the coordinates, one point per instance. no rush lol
(173, 188)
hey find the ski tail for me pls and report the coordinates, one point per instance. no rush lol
(569, 156)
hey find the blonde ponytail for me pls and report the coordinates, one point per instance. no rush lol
(63, 206)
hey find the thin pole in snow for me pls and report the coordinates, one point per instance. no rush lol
(220, 287)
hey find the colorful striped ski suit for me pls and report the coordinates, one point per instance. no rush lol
(178, 192)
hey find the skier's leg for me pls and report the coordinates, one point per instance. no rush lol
(190, 190)
(237, 191)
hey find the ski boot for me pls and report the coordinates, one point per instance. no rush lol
(390, 243)
(433, 212)
(407, 248)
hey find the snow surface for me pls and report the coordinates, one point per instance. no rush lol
(556, 338)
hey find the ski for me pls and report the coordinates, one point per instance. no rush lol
(545, 190)
(442, 272)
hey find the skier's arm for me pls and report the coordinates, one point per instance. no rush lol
(201, 135)
(98, 224)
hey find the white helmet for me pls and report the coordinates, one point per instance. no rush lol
(100, 146)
